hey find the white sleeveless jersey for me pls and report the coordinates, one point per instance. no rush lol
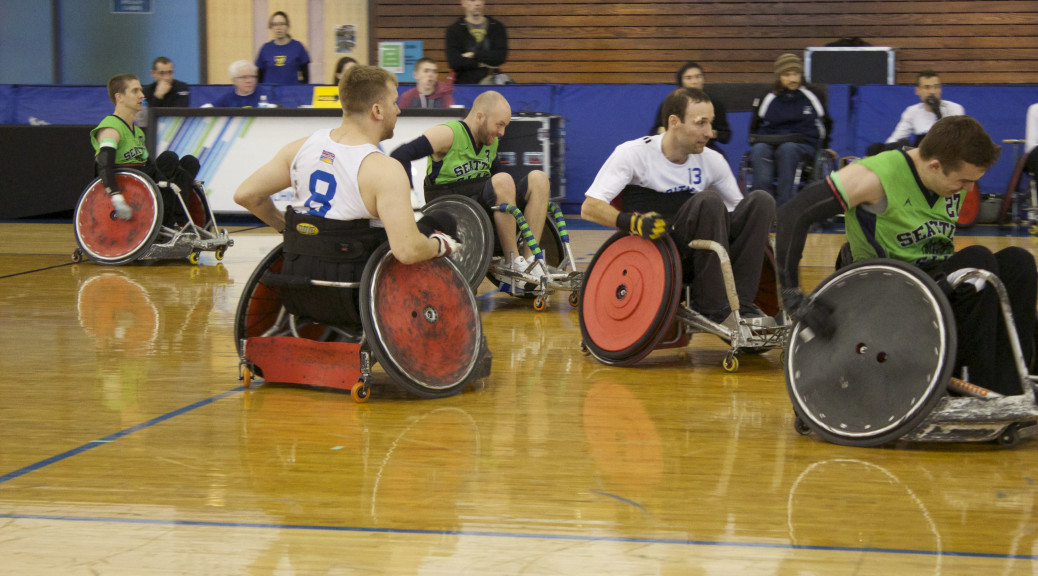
(324, 176)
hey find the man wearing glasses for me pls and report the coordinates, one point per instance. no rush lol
(165, 91)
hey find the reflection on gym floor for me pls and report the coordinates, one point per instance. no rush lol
(130, 448)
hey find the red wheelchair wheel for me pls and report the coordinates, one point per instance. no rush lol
(108, 240)
(422, 323)
(629, 297)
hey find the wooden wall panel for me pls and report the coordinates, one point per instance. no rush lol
(643, 41)
(228, 37)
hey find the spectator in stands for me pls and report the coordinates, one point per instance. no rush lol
(789, 125)
(344, 64)
(476, 44)
(917, 119)
(691, 76)
(428, 92)
(166, 91)
(283, 60)
(244, 93)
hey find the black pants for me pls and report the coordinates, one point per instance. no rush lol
(180, 171)
(742, 232)
(983, 341)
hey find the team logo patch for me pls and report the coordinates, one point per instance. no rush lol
(327, 157)
(307, 229)
(280, 60)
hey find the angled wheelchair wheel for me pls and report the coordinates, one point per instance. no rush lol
(888, 363)
(629, 297)
(259, 305)
(106, 239)
(475, 232)
(422, 323)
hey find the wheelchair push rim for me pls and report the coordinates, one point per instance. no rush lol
(422, 323)
(629, 297)
(888, 363)
(104, 238)
(475, 232)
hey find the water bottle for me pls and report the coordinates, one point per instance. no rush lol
(263, 103)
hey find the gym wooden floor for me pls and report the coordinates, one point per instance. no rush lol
(129, 447)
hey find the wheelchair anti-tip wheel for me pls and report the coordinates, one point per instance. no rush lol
(103, 237)
(475, 232)
(888, 362)
(422, 323)
(629, 297)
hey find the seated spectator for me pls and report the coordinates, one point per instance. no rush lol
(917, 119)
(476, 44)
(344, 64)
(691, 76)
(428, 92)
(166, 91)
(789, 125)
(244, 93)
(283, 60)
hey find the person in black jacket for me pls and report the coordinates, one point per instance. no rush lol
(691, 76)
(165, 91)
(789, 125)
(476, 44)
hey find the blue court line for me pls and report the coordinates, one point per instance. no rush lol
(556, 537)
(115, 436)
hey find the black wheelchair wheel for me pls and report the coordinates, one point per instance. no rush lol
(888, 363)
(475, 232)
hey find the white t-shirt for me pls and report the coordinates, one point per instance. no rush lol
(324, 177)
(917, 119)
(1032, 128)
(641, 162)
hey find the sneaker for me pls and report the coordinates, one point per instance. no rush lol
(724, 317)
(520, 264)
(752, 315)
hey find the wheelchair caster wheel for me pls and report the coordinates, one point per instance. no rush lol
(574, 299)
(1009, 437)
(361, 392)
(731, 363)
(193, 257)
(219, 253)
(77, 256)
(584, 349)
(800, 427)
(539, 303)
(246, 376)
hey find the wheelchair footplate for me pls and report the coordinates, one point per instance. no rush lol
(340, 365)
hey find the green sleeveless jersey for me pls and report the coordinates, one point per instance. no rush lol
(463, 161)
(130, 149)
(917, 225)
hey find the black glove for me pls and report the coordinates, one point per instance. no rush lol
(649, 225)
(439, 221)
(814, 313)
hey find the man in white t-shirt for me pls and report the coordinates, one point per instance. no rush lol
(672, 184)
(917, 119)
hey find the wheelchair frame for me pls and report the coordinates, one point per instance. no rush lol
(163, 242)
(746, 336)
(544, 278)
(980, 416)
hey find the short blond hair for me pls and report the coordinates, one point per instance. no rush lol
(361, 87)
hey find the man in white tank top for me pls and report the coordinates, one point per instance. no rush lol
(339, 174)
